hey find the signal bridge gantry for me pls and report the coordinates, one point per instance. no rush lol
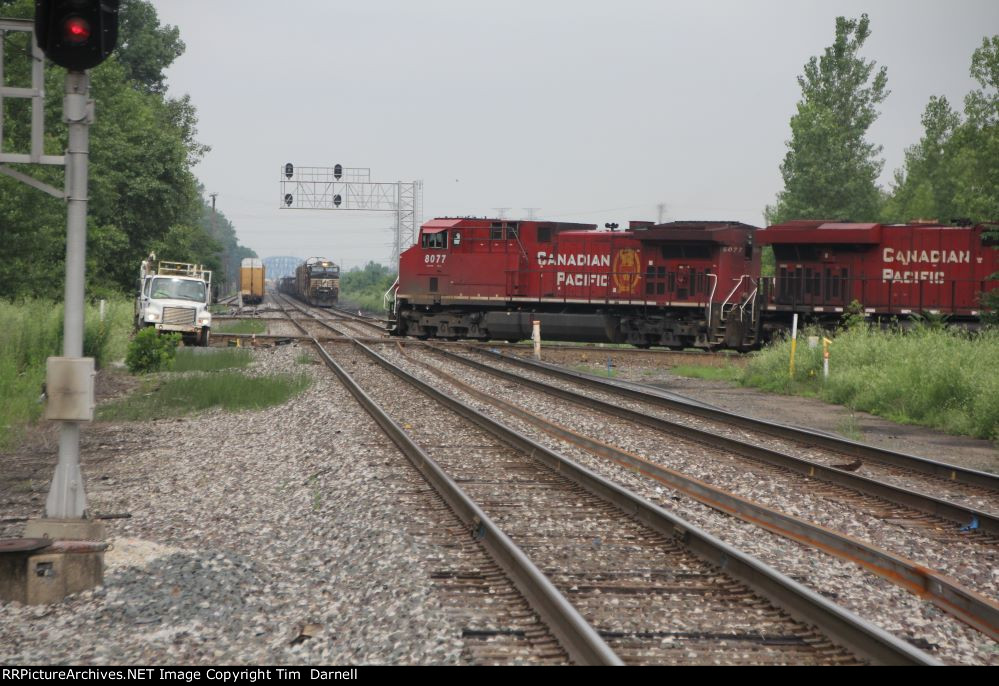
(351, 188)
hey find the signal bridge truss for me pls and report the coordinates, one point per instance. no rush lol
(351, 188)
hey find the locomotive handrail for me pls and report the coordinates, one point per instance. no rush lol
(385, 298)
(729, 296)
(711, 297)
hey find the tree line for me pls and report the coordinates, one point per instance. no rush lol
(143, 146)
(831, 169)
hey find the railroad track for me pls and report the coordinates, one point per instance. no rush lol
(959, 494)
(844, 531)
(769, 617)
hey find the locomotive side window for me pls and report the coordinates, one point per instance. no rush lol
(512, 230)
(496, 231)
(434, 241)
(544, 234)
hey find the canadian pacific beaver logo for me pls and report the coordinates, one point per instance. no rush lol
(627, 270)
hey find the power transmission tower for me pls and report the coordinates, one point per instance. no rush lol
(501, 212)
(531, 211)
(662, 212)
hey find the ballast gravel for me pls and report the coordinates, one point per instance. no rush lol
(269, 537)
(866, 594)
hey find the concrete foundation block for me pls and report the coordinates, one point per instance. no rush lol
(49, 574)
(66, 529)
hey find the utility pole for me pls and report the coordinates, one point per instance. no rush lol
(225, 248)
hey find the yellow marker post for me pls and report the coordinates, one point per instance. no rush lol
(794, 340)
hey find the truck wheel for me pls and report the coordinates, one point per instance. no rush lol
(205, 338)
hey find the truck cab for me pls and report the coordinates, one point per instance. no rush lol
(174, 297)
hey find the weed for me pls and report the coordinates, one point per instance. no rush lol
(210, 359)
(231, 390)
(849, 427)
(726, 372)
(247, 326)
(151, 351)
(936, 377)
(30, 332)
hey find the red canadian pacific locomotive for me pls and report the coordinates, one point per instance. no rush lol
(681, 284)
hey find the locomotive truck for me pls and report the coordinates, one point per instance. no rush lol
(174, 297)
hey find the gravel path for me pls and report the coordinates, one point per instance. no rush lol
(280, 536)
(870, 596)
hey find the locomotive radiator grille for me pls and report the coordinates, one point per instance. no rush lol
(178, 315)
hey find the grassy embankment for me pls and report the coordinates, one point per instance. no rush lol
(941, 378)
(212, 380)
(30, 332)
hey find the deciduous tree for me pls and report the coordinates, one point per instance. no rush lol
(830, 169)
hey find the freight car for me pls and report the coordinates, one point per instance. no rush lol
(317, 282)
(251, 280)
(287, 285)
(680, 284)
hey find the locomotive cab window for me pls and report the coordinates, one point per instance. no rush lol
(434, 241)
(512, 231)
(496, 231)
(544, 234)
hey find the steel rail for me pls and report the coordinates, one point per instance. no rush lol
(856, 634)
(648, 394)
(580, 640)
(946, 593)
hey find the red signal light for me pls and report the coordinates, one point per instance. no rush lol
(76, 30)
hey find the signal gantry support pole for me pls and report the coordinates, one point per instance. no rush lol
(66, 499)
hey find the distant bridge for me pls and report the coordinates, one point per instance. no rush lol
(280, 267)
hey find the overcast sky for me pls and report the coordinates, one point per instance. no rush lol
(590, 111)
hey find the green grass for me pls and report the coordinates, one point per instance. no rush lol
(305, 358)
(248, 326)
(850, 428)
(30, 332)
(174, 397)
(210, 359)
(941, 378)
(714, 373)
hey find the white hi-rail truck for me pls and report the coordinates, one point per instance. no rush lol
(174, 296)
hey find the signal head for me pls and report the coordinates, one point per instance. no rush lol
(337, 171)
(288, 199)
(289, 170)
(76, 34)
(337, 200)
